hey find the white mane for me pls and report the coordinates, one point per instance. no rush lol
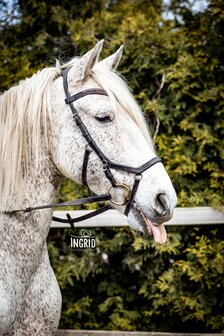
(24, 110)
(24, 114)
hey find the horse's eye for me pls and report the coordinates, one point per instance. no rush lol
(104, 118)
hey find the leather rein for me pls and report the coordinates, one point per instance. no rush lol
(107, 165)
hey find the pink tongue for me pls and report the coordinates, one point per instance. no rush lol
(158, 231)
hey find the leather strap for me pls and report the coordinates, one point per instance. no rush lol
(138, 178)
(95, 148)
(109, 175)
(82, 218)
(81, 201)
(81, 94)
(88, 150)
(70, 99)
(134, 170)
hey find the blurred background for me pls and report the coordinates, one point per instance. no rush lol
(174, 63)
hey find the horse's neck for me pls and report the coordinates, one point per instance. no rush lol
(30, 230)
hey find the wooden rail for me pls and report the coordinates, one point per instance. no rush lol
(112, 218)
(123, 333)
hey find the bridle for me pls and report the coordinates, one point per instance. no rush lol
(107, 166)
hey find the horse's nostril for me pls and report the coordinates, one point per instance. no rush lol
(162, 204)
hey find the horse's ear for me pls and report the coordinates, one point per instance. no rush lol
(113, 61)
(87, 62)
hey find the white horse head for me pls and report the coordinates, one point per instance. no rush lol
(117, 126)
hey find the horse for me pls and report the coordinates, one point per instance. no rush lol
(77, 120)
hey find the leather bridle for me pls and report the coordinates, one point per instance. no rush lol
(107, 166)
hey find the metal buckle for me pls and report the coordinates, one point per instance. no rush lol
(127, 192)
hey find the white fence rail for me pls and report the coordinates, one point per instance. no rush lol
(123, 333)
(112, 218)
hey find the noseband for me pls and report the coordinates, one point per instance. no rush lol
(107, 166)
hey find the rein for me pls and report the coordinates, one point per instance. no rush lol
(107, 165)
(69, 220)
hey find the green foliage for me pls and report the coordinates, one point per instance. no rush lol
(190, 289)
(128, 283)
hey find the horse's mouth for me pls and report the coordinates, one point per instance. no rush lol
(158, 231)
